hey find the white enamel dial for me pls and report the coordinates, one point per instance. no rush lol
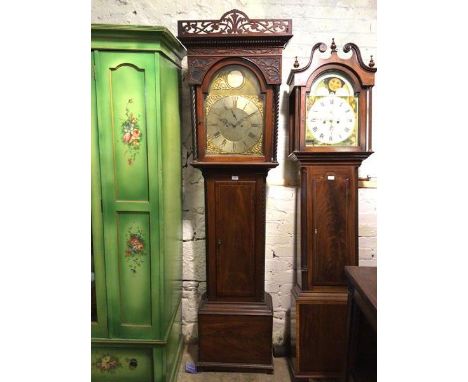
(331, 120)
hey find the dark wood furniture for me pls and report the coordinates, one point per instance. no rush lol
(361, 359)
(329, 136)
(234, 73)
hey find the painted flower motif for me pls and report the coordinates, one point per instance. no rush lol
(136, 243)
(107, 363)
(127, 137)
(131, 134)
(135, 248)
(136, 134)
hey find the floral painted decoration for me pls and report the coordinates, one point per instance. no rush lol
(131, 133)
(108, 363)
(135, 248)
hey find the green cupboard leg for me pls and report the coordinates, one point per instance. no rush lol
(174, 346)
(159, 371)
(137, 226)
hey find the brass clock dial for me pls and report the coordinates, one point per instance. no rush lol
(234, 118)
(235, 125)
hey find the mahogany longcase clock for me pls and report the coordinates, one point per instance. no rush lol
(330, 107)
(234, 73)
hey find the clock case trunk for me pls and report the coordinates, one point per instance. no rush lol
(327, 241)
(327, 220)
(235, 317)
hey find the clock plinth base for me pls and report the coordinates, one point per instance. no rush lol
(235, 336)
(318, 333)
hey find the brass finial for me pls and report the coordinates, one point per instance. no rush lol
(333, 46)
(371, 62)
(296, 63)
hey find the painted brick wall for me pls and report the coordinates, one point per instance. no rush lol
(313, 21)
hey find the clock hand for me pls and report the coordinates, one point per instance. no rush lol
(233, 115)
(331, 126)
(226, 122)
(244, 118)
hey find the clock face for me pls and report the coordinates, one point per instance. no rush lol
(332, 112)
(234, 117)
(331, 120)
(235, 124)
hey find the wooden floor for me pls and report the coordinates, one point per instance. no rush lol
(281, 373)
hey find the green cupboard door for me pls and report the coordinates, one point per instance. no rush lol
(98, 281)
(128, 136)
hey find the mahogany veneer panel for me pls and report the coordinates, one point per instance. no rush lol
(318, 329)
(235, 224)
(322, 324)
(331, 205)
(235, 235)
(235, 336)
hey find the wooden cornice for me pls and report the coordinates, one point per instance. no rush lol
(300, 76)
(236, 166)
(126, 37)
(352, 157)
(235, 28)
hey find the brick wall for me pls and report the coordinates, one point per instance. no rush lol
(313, 21)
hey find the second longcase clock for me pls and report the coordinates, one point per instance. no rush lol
(330, 135)
(234, 72)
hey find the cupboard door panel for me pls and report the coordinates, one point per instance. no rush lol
(333, 206)
(128, 83)
(128, 139)
(134, 269)
(235, 235)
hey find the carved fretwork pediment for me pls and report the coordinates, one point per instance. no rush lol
(235, 28)
(234, 22)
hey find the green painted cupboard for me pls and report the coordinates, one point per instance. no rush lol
(136, 204)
